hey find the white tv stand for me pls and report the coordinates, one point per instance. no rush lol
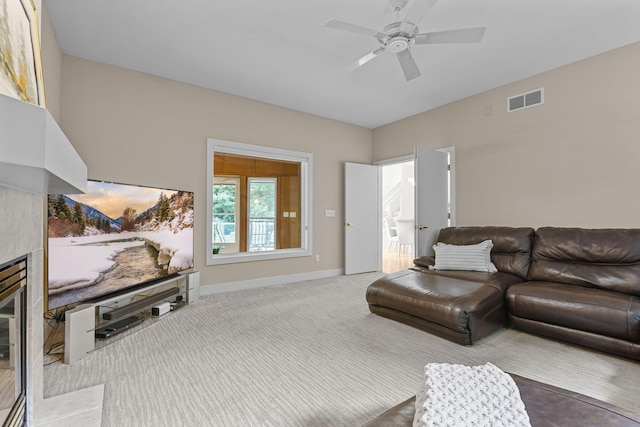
(82, 321)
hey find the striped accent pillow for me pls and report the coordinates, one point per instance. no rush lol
(464, 257)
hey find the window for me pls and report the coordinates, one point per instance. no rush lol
(258, 204)
(225, 208)
(262, 220)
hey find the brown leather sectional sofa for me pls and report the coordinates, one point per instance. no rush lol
(577, 285)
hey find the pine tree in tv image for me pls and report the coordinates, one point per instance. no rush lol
(114, 237)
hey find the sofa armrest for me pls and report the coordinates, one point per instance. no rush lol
(424, 261)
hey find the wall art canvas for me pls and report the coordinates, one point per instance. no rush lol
(20, 66)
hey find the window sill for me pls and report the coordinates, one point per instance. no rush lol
(256, 256)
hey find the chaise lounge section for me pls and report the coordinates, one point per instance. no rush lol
(462, 306)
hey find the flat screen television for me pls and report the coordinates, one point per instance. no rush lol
(115, 238)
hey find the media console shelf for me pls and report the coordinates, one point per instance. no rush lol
(108, 317)
(118, 327)
(136, 306)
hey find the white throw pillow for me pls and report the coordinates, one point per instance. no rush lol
(464, 257)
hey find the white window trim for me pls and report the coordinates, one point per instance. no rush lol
(306, 184)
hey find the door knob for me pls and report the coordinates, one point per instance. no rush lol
(422, 227)
(349, 224)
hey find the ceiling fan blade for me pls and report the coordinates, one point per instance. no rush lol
(408, 64)
(353, 28)
(416, 13)
(465, 35)
(360, 62)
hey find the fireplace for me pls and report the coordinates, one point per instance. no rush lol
(36, 159)
(13, 325)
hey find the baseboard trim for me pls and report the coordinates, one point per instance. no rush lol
(267, 281)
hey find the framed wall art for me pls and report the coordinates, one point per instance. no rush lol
(20, 61)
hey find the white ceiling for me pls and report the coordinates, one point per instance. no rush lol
(277, 51)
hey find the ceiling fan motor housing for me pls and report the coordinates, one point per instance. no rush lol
(397, 44)
(398, 40)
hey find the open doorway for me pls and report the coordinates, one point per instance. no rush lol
(417, 192)
(398, 222)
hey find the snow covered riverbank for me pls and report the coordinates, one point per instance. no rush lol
(77, 262)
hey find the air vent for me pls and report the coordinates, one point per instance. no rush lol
(525, 100)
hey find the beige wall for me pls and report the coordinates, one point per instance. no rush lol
(572, 161)
(51, 66)
(131, 127)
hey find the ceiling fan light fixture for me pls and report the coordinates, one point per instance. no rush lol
(397, 44)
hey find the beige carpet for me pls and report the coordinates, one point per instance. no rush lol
(305, 354)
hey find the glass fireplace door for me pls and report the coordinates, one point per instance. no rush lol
(13, 278)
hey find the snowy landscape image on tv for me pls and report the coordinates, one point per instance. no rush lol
(114, 237)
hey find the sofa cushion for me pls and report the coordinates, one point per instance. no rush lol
(441, 300)
(511, 246)
(498, 280)
(602, 258)
(585, 309)
(475, 257)
(468, 308)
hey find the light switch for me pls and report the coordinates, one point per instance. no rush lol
(330, 213)
(292, 214)
(285, 214)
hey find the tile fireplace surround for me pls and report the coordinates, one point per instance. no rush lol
(21, 230)
(41, 154)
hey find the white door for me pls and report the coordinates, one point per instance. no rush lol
(362, 218)
(432, 198)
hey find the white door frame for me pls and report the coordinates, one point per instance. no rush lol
(452, 181)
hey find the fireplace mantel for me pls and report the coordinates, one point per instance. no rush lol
(35, 155)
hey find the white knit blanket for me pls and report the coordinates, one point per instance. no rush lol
(459, 395)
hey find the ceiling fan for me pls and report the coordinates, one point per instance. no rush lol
(399, 37)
